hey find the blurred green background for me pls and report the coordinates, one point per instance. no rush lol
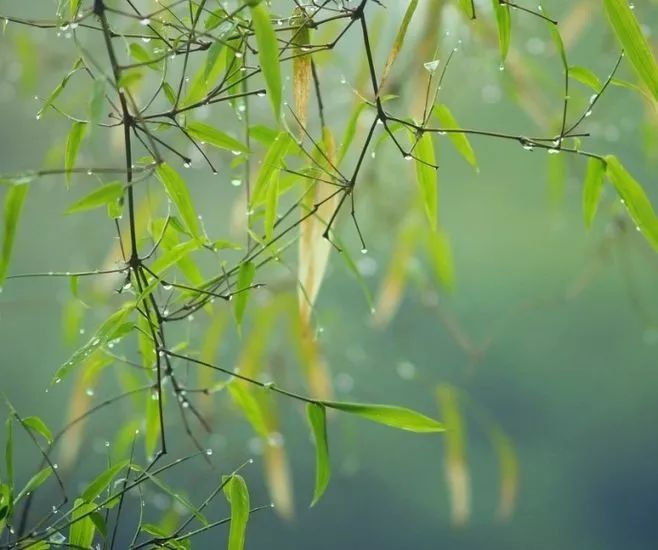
(551, 329)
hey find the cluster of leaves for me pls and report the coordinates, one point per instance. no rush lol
(179, 63)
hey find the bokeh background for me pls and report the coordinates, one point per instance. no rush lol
(550, 331)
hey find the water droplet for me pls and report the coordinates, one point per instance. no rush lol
(268, 385)
(408, 157)
(58, 380)
(187, 164)
(209, 452)
(588, 113)
(552, 151)
(89, 392)
(146, 39)
(501, 67)
(107, 443)
(364, 250)
(261, 93)
(431, 66)
(145, 22)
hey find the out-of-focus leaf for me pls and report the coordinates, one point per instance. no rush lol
(173, 256)
(77, 65)
(459, 140)
(99, 197)
(390, 415)
(268, 55)
(456, 469)
(468, 7)
(441, 255)
(635, 44)
(242, 292)
(250, 407)
(317, 419)
(81, 533)
(634, 198)
(180, 196)
(13, 204)
(97, 101)
(152, 423)
(212, 136)
(238, 496)
(73, 141)
(592, 189)
(427, 177)
(399, 41)
(350, 130)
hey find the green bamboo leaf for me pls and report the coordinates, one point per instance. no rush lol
(268, 55)
(173, 256)
(632, 39)
(152, 423)
(468, 7)
(592, 189)
(399, 40)
(113, 327)
(237, 494)
(242, 292)
(427, 177)
(441, 255)
(36, 481)
(99, 197)
(102, 481)
(97, 101)
(317, 419)
(73, 141)
(459, 140)
(273, 161)
(271, 205)
(350, 130)
(634, 199)
(390, 415)
(81, 533)
(14, 200)
(180, 196)
(586, 77)
(214, 137)
(252, 410)
(9, 452)
(39, 426)
(504, 22)
(77, 65)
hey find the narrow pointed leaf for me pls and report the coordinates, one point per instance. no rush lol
(273, 161)
(427, 177)
(13, 204)
(459, 140)
(242, 292)
(399, 40)
(99, 197)
(586, 77)
(592, 189)
(180, 196)
(635, 200)
(317, 418)
(212, 136)
(34, 483)
(504, 22)
(390, 415)
(301, 65)
(268, 55)
(632, 39)
(73, 141)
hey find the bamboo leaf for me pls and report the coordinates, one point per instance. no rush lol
(592, 189)
(317, 419)
(268, 55)
(81, 533)
(214, 137)
(36, 481)
(237, 494)
(634, 199)
(427, 178)
(99, 197)
(399, 40)
(504, 22)
(97, 101)
(173, 256)
(242, 293)
(459, 140)
(586, 77)
(180, 196)
(39, 426)
(301, 65)
(390, 415)
(13, 204)
(636, 47)
(441, 256)
(273, 161)
(250, 407)
(102, 481)
(73, 141)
